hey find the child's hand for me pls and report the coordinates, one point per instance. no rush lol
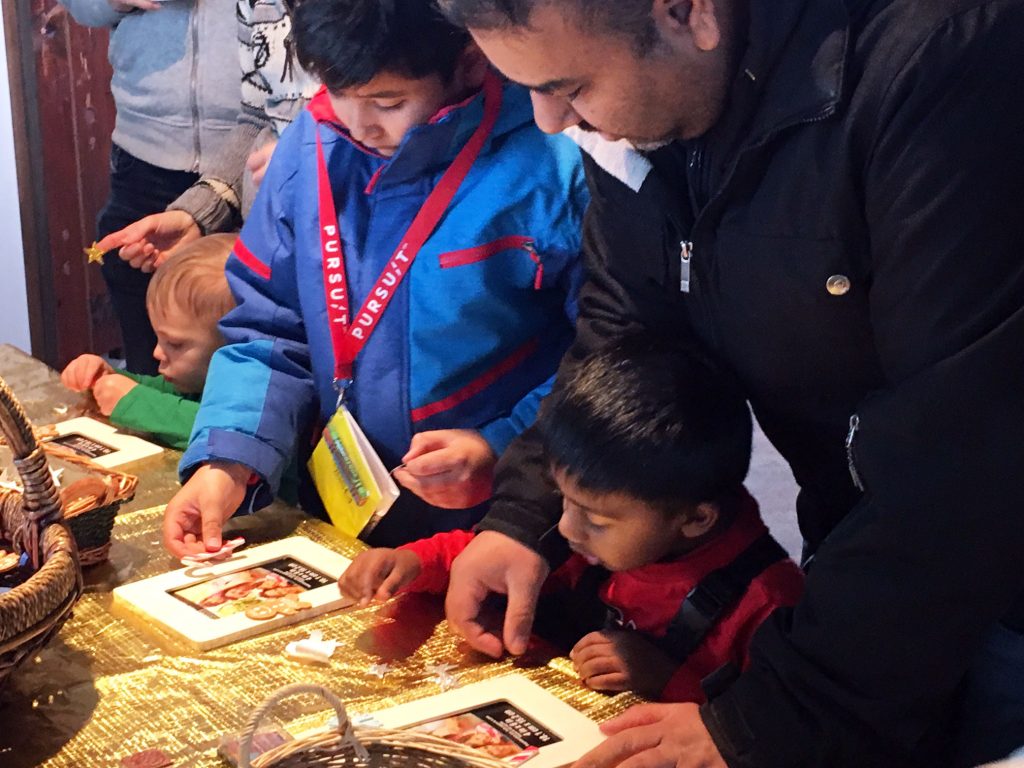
(84, 371)
(622, 660)
(378, 574)
(109, 390)
(449, 468)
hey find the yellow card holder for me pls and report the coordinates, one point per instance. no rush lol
(355, 487)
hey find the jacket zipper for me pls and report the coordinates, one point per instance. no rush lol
(193, 79)
(854, 474)
(685, 254)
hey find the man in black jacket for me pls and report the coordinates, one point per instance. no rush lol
(830, 199)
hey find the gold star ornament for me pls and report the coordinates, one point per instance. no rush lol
(94, 254)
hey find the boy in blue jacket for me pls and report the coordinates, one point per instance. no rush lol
(414, 248)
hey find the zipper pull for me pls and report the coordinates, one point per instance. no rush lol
(854, 474)
(685, 253)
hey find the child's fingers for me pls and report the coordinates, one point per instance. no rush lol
(588, 655)
(427, 442)
(433, 462)
(616, 681)
(596, 666)
(353, 585)
(394, 582)
(588, 646)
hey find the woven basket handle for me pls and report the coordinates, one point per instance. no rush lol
(344, 725)
(41, 502)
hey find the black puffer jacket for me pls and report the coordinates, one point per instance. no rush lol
(857, 229)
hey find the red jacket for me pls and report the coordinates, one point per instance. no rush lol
(647, 598)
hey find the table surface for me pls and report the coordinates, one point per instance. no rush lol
(106, 688)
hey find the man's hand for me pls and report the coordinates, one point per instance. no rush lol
(495, 563)
(195, 516)
(655, 736)
(378, 574)
(621, 660)
(449, 468)
(109, 389)
(258, 161)
(84, 371)
(126, 6)
(148, 242)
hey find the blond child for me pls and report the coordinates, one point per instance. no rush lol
(185, 300)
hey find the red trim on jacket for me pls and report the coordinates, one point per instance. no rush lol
(478, 384)
(484, 251)
(246, 257)
(648, 597)
(373, 180)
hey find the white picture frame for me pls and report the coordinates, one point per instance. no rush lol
(102, 443)
(531, 710)
(205, 605)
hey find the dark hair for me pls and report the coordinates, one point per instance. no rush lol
(631, 19)
(346, 43)
(650, 419)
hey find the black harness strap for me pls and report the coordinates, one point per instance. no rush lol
(715, 595)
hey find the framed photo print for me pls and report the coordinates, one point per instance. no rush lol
(508, 717)
(256, 590)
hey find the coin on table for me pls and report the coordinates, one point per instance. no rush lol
(9, 561)
(261, 612)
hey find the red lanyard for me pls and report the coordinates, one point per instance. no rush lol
(350, 334)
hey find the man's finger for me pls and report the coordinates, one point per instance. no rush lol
(522, 603)
(642, 714)
(620, 747)
(462, 607)
(114, 240)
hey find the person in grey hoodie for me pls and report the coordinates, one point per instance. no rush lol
(274, 90)
(176, 89)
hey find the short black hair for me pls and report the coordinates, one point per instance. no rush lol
(631, 19)
(652, 419)
(346, 43)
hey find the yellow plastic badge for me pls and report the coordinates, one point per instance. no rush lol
(354, 486)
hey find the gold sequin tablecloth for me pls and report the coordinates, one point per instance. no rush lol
(104, 690)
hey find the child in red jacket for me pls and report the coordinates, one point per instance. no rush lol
(672, 568)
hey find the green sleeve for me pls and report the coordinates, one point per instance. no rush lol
(166, 415)
(159, 383)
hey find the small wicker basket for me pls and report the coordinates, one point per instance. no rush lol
(90, 502)
(363, 747)
(32, 523)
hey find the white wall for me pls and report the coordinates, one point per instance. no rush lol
(13, 300)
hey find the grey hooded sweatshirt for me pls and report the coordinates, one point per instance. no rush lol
(176, 81)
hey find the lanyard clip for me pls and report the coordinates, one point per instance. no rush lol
(341, 386)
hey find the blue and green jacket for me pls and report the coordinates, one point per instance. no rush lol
(473, 335)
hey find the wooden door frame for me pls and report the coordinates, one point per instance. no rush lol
(19, 22)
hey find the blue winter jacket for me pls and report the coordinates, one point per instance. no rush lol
(474, 333)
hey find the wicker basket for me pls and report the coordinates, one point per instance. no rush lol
(33, 611)
(90, 503)
(363, 747)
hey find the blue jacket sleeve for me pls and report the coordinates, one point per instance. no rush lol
(568, 228)
(259, 394)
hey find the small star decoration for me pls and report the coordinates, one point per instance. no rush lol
(94, 254)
